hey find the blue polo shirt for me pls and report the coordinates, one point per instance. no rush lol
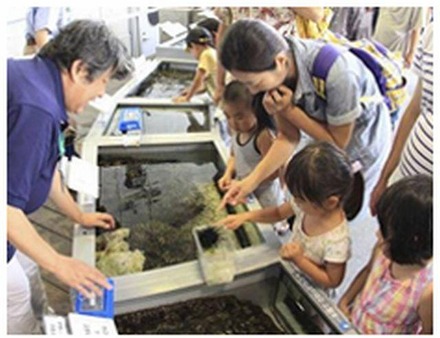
(36, 111)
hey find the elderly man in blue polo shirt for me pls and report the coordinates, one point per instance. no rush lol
(69, 71)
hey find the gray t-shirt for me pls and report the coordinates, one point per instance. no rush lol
(347, 81)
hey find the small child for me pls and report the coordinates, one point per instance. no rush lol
(250, 142)
(200, 44)
(393, 294)
(321, 180)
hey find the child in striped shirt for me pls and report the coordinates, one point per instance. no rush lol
(393, 294)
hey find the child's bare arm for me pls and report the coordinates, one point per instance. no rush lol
(425, 310)
(265, 215)
(197, 83)
(357, 285)
(225, 181)
(328, 276)
(196, 86)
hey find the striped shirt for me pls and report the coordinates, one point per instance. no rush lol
(417, 157)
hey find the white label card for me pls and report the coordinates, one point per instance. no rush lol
(82, 325)
(54, 325)
(80, 175)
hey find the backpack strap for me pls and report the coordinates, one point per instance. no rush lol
(321, 66)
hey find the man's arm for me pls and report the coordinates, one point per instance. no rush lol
(70, 271)
(62, 198)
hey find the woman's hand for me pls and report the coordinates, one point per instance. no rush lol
(224, 183)
(278, 100)
(97, 219)
(238, 192)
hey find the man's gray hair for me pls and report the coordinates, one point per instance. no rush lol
(94, 44)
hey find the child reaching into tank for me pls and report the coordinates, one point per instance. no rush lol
(320, 179)
(393, 293)
(199, 43)
(250, 141)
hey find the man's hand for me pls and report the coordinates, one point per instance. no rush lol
(84, 278)
(97, 219)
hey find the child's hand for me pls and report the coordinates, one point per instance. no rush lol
(97, 219)
(344, 307)
(224, 182)
(278, 100)
(291, 251)
(232, 222)
(180, 99)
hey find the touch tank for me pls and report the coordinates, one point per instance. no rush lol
(159, 191)
(132, 178)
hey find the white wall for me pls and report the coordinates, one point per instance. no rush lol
(115, 17)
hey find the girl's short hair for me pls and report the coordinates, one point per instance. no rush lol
(251, 45)
(404, 212)
(236, 92)
(321, 170)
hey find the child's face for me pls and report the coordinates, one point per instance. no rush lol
(195, 50)
(241, 118)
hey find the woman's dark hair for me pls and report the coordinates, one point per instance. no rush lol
(94, 44)
(404, 212)
(251, 45)
(319, 171)
(236, 92)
